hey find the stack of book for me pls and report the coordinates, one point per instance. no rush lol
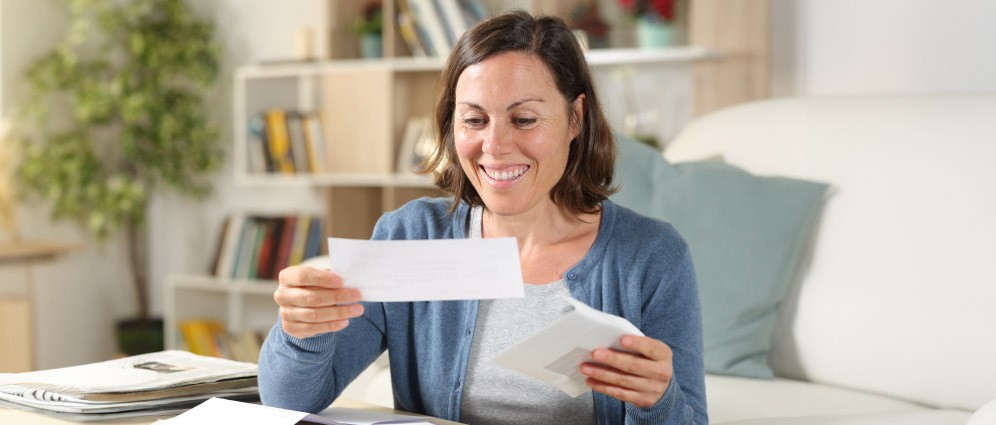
(257, 247)
(209, 338)
(432, 27)
(286, 142)
(159, 383)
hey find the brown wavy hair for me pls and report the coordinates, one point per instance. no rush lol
(587, 180)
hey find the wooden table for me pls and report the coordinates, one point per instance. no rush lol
(20, 417)
(17, 316)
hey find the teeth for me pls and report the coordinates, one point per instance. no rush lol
(505, 175)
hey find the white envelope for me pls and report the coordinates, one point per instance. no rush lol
(554, 354)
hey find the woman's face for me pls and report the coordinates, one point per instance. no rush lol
(512, 131)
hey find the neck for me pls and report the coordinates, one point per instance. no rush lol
(538, 227)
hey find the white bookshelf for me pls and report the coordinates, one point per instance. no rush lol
(237, 304)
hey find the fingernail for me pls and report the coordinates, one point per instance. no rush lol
(626, 341)
(586, 370)
(356, 309)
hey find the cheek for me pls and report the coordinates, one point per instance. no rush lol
(465, 147)
(466, 151)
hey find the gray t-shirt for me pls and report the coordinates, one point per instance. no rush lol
(493, 395)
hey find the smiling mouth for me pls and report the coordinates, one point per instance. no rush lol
(506, 174)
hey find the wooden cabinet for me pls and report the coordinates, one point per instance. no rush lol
(17, 309)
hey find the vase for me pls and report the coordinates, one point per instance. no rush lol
(370, 45)
(654, 34)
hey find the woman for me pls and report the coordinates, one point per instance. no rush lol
(525, 148)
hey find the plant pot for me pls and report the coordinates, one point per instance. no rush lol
(654, 34)
(138, 336)
(371, 45)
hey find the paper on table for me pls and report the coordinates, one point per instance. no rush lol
(554, 354)
(428, 270)
(222, 411)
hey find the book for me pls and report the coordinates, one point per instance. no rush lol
(256, 244)
(409, 33)
(431, 23)
(258, 152)
(164, 378)
(219, 245)
(278, 140)
(315, 142)
(229, 249)
(268, 248)
(284, 245)
(313, 247)
(245, 248)
(408, 160)
(199, 336)
(300, 242)
(298, 146)
(452, 13)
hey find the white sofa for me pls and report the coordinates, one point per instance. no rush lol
(889, 320)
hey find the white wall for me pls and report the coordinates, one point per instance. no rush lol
(80, 295)
(833, 47)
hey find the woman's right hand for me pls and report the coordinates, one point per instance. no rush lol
(313, 301)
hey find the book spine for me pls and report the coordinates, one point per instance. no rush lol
(300, 240)
(453, 15)
(427, 19)
(279, 141)
(299, 149)
(409, 33)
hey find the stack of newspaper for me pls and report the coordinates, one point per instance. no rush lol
(149, 384)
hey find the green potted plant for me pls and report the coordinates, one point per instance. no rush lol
(369, 27)
(130, 76)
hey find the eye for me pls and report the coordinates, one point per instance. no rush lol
(523, 122)
(474, 121)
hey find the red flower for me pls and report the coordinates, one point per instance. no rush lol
(652, 9)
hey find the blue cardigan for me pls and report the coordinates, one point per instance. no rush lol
(638, 268)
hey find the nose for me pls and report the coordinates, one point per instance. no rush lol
(495, 141)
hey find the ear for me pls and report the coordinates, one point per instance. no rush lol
(577, 116)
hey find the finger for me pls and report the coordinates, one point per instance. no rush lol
(316, 297)
(648, 347)
(643, 400)
(306, 330)
(618, 378)
(633, 363)
(323, 314)
(308, 276)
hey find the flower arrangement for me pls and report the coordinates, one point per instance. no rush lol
(652, 10)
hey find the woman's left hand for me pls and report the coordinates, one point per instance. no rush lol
(640, 377)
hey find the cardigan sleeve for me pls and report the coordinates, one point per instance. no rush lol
(672, 315)
(309, 374)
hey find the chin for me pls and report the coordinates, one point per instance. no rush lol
(504, 207)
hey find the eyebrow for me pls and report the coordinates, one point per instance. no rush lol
(509, 108)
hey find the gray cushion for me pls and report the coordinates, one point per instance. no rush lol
(746, 234)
